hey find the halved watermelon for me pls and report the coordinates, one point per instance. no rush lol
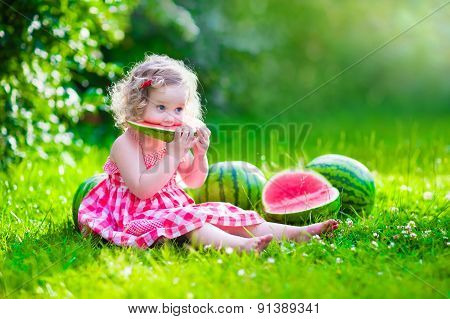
(298, 197)
(160, 132)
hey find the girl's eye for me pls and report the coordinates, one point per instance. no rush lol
(179, 109)
(161, 107)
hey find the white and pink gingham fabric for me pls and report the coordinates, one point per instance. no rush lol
(113, 212)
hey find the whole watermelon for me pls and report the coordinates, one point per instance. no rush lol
(353, 180)
(236, 182)
(82, 191)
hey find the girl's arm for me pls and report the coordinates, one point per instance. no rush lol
(143, 182)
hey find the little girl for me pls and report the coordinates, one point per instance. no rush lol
(140, 202)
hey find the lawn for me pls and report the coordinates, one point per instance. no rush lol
(399, 251)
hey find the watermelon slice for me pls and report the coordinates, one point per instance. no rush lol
(160, 132)
(299, 197)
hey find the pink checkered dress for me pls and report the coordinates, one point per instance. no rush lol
(116, 214)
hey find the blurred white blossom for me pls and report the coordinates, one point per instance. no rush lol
(428, 196)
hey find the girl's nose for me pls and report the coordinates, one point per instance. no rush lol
(168, 120)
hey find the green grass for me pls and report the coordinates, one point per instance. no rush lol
(42, 256)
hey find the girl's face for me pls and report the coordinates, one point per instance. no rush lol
(166, 106)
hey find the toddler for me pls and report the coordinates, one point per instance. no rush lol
(140, 202)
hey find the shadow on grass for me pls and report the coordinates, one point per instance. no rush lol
(33, 257)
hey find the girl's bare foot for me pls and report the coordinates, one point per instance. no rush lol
(307, 232)
(257, 244)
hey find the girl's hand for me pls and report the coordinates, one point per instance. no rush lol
(184, 140)
(201, 146)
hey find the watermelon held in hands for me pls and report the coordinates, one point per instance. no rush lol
(353, 180)
(236, 182)
(299, 197)
(160, 132)
(82, 191)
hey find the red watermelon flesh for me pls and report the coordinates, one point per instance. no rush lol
(157, 126)
(299, 194)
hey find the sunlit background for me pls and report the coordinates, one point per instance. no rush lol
(376, 65)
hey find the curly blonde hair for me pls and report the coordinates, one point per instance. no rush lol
(129, 100)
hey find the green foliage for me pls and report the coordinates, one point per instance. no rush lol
(50, 53)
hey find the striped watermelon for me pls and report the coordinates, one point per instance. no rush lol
(298, 198)
(82, 191)
(238, 183)
(353, 180)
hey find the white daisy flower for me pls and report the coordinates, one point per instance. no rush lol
(241, 272)
(428, 196)
(394, 209)
(411, 224)
(126, 272)
(426, 233)
(339, 261)
(405, 188)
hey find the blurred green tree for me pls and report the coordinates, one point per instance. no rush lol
(48, 50)
(54, 68)
(256, 57)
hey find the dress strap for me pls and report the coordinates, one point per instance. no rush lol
(138, 137)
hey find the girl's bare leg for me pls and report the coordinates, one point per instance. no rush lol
(282, 231)
(209, 234)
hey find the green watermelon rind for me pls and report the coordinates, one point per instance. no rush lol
(83, 189)
(166, 134)
(155, 132)
(236, 182)
(353, 180)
